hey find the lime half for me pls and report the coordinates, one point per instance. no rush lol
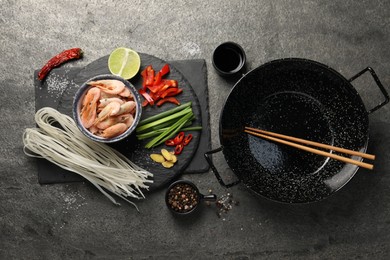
(124, 62)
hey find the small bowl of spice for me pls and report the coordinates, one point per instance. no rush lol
(183, 197)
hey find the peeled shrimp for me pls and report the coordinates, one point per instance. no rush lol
(107, 108)
(111, 109)
(105, 101)
(89, 105)
(94, 130)
(127, 107)
(114, 130)
(112, 120)
(129, 121)
(110, 86)
(126, 93)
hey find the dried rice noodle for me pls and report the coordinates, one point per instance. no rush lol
(103, 166)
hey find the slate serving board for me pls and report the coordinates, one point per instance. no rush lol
(194, 70)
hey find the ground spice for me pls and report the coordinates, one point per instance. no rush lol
(182, 198)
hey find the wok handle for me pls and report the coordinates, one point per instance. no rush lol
(378, 82)
(207, 155)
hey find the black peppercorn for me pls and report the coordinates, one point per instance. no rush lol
(182, 198)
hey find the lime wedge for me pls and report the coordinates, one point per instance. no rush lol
(124, 62)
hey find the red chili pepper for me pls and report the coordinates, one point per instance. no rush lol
(59, 59)
(168, 99)
(144, 74)
(157, 78)
(170, 142)
(149, 76)
(179, 138)
(187, 139)
(170, 82)
(145, 103)
(155, 97)
(165, 70)
(156, 88)
(163, 85)
(179, 149)
(170, 92)
(146, 96)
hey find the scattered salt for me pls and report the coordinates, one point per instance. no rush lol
(56, 85)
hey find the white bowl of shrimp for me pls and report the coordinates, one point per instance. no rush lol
(107, 108)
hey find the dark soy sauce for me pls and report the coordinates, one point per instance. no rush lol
(227, 59)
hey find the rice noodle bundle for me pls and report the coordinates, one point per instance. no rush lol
(68, 148)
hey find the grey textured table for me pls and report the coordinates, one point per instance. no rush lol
(74, 221)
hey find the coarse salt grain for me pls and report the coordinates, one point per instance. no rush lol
(56, 85)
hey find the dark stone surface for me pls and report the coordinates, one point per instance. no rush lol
(75, 221)
(195, 90)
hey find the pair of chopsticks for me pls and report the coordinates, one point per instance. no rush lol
(282, 139)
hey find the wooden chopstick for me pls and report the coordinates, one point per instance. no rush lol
(267, 135)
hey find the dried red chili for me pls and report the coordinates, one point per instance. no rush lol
(59, 59)
(187, 139)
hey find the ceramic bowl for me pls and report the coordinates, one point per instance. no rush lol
(77, 102)
(229, 59)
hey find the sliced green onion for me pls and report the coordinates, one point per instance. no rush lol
(151, 133)
(186, 127)
(167, 133)
(166, 125)
(183, 112)
(164, 114)
(192, 128)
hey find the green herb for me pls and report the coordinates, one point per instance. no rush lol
(170, 131)
(192, 128)
(164, 114)
(183, 112)
(156, 132)
(165, 125)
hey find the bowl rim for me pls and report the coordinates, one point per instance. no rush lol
(81, 92)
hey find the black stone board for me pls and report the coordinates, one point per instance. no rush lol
(69, 80)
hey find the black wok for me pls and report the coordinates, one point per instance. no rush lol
(300, 98)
